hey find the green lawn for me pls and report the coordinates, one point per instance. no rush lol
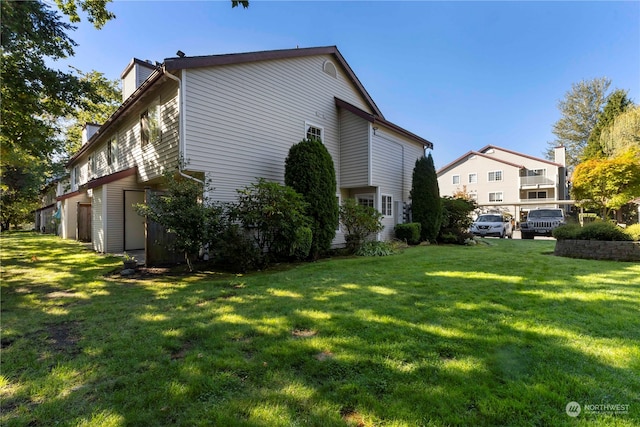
(505, 334)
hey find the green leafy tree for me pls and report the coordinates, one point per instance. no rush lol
(617, 103)
(580, 110)
(35, 96)
(456, 218)
(426, 206)
(623, 134)
(273, 215)
(92, 110)
(181, 210)
(607, 184)
(359, 223)
(309, 170)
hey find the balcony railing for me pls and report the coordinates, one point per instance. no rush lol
(526, 181)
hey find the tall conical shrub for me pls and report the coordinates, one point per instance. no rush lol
(309, 170)
(426, 206)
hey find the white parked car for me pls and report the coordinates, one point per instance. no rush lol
(498, 225)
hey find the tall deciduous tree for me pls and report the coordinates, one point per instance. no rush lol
(309, 170)
(617, 103)
(607, 184)
(580, 110)
(426, 206)
(623, 134)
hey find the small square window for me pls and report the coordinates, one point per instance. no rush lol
(473, 178)
(455, 179)
(313, 132)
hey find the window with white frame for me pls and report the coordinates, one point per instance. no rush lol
(338, 201)
(313, 132)
(112, 151)
(495, 176)
(473, 178)
(455, 179)
(387, 205)
(76, 177)
(365, 200)
(495, 196)
(92, 165)
(150, 123)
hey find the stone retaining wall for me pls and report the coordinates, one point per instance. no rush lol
(597, 249)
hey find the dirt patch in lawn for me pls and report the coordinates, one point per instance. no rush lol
(64, 337)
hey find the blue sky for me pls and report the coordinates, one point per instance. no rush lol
(460, 74)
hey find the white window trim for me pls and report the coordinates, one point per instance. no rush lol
(494, 175)
(469, 178)
(382, 205)
(366, 196)
(158, 137)
(496, 192)
(307, 125)
(453, 179)
(111, 152)
(339, 228)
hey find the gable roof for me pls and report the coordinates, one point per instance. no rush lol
(482, 153)
(495, 147)
(372, 118)
(173, 64)
(476, 153)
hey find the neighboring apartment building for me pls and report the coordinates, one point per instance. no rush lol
(233, 118)
(507, 181)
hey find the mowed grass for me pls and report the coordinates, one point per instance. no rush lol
(504, 334)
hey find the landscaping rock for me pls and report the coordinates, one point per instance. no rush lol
(128, 272)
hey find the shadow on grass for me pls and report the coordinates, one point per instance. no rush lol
(420, 338)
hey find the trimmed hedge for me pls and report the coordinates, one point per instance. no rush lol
(409, 232)
(604, 231)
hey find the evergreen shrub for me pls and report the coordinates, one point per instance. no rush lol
(409, 232)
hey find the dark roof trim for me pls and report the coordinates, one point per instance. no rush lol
(477, 153)
(51, 206)
(495, 147)
(68, 195)
(111, 178)
(382, 122)
(172, 64)
(132, 100)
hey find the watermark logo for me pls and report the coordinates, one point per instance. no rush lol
(573, 409)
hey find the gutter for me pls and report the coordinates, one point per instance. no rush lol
(182, 147)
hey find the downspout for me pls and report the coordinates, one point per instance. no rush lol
(181, 136)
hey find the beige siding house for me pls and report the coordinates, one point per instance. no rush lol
(505, 180)
(233, 119)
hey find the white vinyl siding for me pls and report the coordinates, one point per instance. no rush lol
(354, 151)
(221, 136)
